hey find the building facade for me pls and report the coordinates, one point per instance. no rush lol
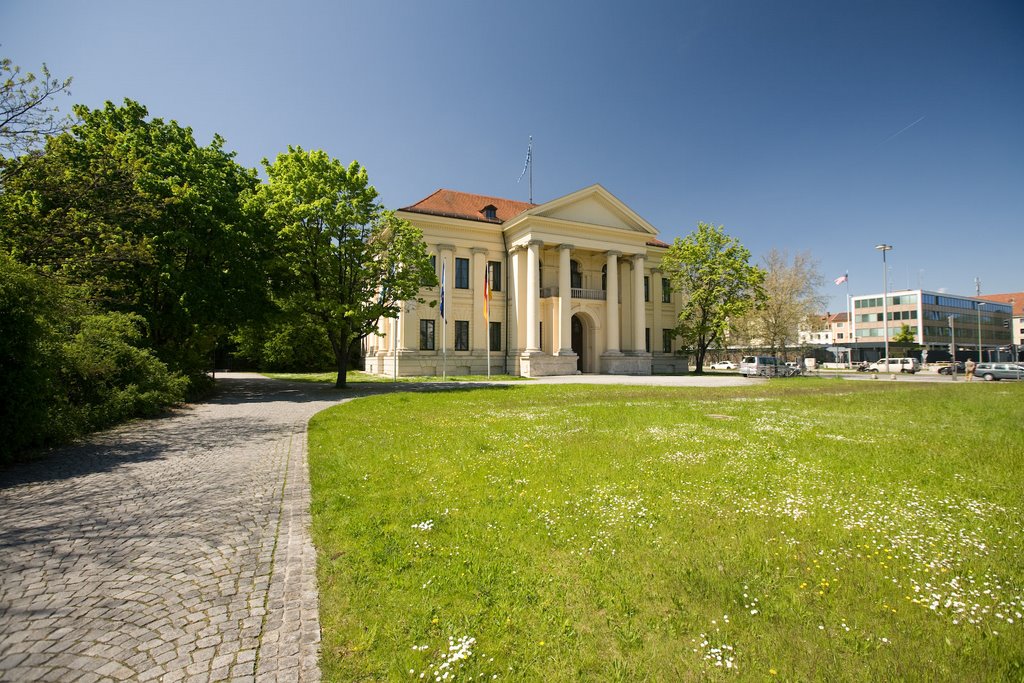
(937, 320)
(575, 286)
(1016, 302)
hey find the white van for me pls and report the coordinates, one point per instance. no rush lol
(752, 366)
(907, 365)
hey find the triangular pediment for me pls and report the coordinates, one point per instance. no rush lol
(593, 205)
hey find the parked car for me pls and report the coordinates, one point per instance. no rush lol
(994, 371)
(752, 366)
(909, 365)
(948, 368)
(723, 365)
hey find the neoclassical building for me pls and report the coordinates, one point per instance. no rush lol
(575, 282)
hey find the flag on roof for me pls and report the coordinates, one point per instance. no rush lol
(442, 290)
(487, 298)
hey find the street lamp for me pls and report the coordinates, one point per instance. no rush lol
(885, 298)
(980, 304)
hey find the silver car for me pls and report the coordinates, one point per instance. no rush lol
(994, 371)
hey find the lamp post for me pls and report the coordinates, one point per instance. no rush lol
(885, 298)
(980, 304)
(952, 344)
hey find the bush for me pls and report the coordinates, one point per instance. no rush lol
(293, 346)
(66, 369)
(107, 378)
(30, 318)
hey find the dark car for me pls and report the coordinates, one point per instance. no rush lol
(993, 371)
(948, 369)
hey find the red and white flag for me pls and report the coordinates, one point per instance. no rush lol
(842, 278)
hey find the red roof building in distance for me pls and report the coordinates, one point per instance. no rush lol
(1016, 299)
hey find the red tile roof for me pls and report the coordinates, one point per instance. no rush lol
(468, 206)
(453, 204)
(1016, 298)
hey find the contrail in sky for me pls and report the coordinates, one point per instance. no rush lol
(902, 130)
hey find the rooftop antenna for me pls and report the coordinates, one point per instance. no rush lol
(977, 286)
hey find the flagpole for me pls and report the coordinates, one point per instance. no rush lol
(849, 322)
(487, 318)
(444, 325)
(531, 169)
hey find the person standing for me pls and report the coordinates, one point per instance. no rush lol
(969, 369)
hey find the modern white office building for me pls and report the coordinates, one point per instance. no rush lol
(937, 320)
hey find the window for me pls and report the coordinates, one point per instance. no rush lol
(647, 291)
(666, 341)
(426, 335)
(647, 339)
(494, 275)
(490, 212)
(495, 336)
(433, 269)
(462, 273)
(604, 278)
(462, 335)
(575, 275)
(666, 291)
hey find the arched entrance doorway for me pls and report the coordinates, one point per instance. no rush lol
(579, 344)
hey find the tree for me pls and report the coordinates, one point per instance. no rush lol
(345, 260)
(713, 274)
(792, 297)
(27, 116)
(143, 220)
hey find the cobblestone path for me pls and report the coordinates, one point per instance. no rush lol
(169, 549)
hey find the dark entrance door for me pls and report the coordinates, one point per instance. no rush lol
(577, 341)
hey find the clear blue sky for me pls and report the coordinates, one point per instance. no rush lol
(800, 125)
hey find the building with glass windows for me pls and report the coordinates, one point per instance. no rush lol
(936, 319)
(575, 286)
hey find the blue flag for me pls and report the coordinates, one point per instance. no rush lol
(442, 292)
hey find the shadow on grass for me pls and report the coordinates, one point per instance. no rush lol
(179, 431)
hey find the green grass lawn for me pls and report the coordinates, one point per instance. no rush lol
(805, 530)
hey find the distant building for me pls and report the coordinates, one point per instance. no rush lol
(1016, 301)
(576, 286)
(936, 319)
(827, 330)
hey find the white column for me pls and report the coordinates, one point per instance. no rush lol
(532, 296)
(515, 301)
(564, 300)
(410, 337)
(639, 307)
(656, 329)
(626, 307)
(612, 301)
(477, 333)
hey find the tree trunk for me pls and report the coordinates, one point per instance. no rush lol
(341, 360)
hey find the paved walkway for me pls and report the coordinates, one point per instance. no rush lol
(169, 549)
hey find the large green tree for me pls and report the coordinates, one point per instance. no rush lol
(143, 220)
(713, 274)
(345, 260)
